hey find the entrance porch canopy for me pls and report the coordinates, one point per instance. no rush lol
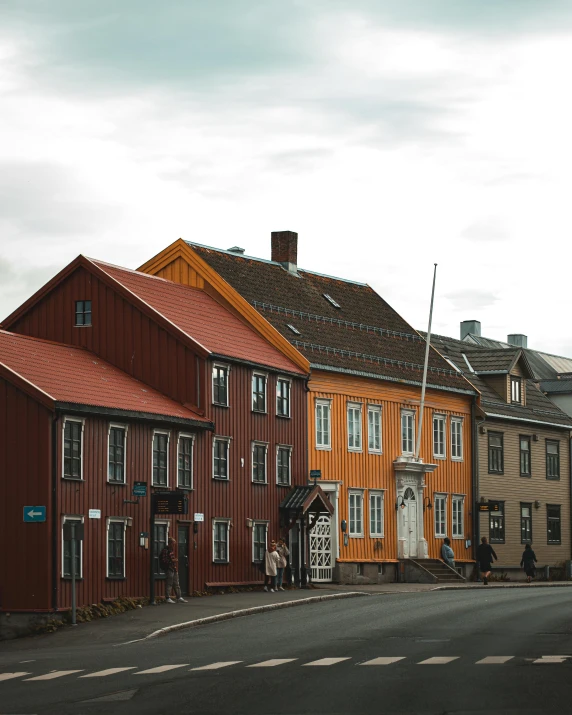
(302, 500)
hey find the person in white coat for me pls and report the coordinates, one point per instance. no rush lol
(271, 561)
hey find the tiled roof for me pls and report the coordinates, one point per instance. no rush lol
(556, 386)
(487, 360)
(76, 376)
(363, 336)
(201, 317)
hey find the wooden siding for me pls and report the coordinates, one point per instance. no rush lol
(368, 471)
(179, 271)
(513, 489)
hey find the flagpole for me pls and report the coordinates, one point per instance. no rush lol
(424, 383)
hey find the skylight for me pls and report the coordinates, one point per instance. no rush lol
(293, 329)
(331, 300)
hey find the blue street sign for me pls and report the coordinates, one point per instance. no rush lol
(139, 489)
(34, 513)
(315, 473)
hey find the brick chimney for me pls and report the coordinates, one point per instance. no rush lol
(285, 249)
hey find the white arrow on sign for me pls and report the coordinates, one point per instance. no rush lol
(33, 513)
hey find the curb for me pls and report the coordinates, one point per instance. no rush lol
(557, 584)
(249, 612)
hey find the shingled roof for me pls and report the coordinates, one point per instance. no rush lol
(339, 325)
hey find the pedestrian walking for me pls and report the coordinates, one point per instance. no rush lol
(283, 552)
(168, 561)
(485, 555)
(447, 553)
(271, 560)
(528, 560)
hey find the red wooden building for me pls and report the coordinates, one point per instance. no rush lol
(232, 433)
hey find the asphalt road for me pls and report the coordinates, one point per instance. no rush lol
(503, 651)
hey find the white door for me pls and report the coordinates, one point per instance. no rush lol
(410, 522)
(321, 549)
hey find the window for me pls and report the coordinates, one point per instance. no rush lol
(323, 434)
(496, 456)
(116, 548)
(526, 523)
(160, 536)
(259, 534)
(407, 431)
(354, 426)
(553, 524)
(440, 512)
(458, 523)
(515, 389)
(283, 397)
(376, 513)
(161, 459)
(283, 466)
(66, 550)
(116, 454)
(185, 461)
(524, 456)
(356, 513)
(457, 438)
(439, 436)
(293, 328)
(220, 385)
(220, 541)
(496, 522)
(259, 462)
(258, 393)
(220, 457)
(83, 312)
(73, 443)
(374, 428)
(331, 301)
(552, 459)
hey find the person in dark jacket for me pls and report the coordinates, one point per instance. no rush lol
(485, 555)
(527, 561)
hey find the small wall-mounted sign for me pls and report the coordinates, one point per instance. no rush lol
(315, 473)
(198, 517)
(139, 489)
(484, 506)
(170, 503)
(94, 513)
(34, 514)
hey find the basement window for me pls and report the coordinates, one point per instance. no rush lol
(293, 329)
(331, 300)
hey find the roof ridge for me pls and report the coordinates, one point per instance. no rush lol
(134, 271)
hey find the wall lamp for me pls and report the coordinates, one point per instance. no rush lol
(537, 504)
(427, 505)
(397, 504)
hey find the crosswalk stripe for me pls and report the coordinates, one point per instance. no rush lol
(383, 661)
(54, 674)
(438, 660)
(271, 663)
(9, 676)
(216, 666)
(552, 659)
(327, 661)
(494, 660)
(108, 671)
(160, 669)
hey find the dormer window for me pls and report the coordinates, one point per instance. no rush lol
(516, 389)
(83, 312)
(331, 301)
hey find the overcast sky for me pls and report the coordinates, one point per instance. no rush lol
(390, 134)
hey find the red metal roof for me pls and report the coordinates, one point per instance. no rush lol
(77, 376)
(201, 317)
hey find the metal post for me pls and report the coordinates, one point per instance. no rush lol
(422, 405)
(151, 556)
(73, 595)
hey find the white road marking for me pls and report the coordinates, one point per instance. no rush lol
(9, 676)
(54, 674)
(494, 660)
(326, 661)
(160, 669)
(271, 663)
(552, 659)
(105, 673)
(438, 660)
(216, 666)
(383, 661)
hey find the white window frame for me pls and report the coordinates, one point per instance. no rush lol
(77, 518)
(323, 405)
(457, 421)
(460, 525)
(259, 522)
(227, 440)
(351, 409)
(225, 521)
(80, 421)
(264, 375)
(180, 436)
(377, 494)
(168, 433)
(289, 449)
(115, 520)
(436, 499)
(374, 410)
(280, 379)
(125, 428)
(255, 444)
(405, 414)
(221, 366)
(441, 421)
(358, 494)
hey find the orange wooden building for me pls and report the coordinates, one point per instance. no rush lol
(363, 409)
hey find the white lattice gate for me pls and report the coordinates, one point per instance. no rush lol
(321, 549)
